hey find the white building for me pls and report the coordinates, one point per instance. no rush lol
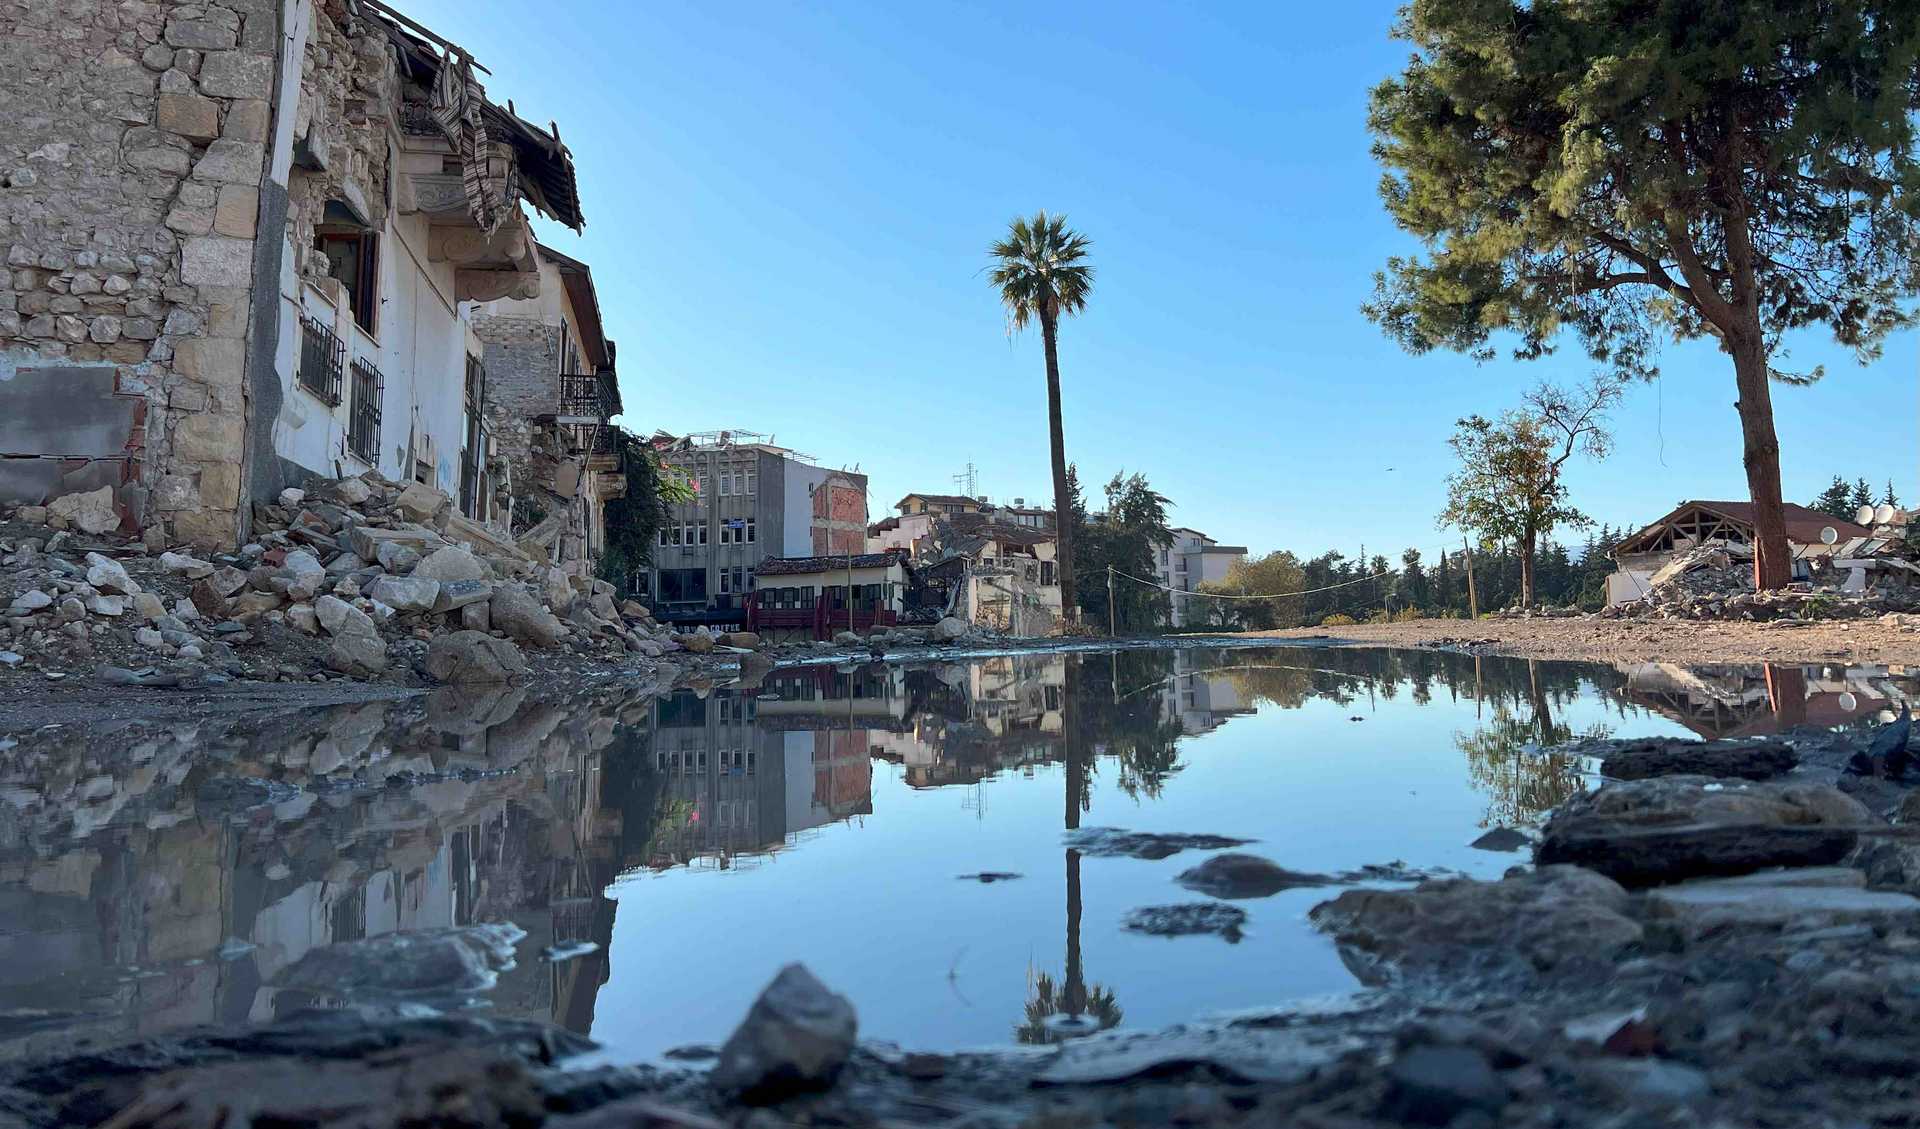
(1192, 559)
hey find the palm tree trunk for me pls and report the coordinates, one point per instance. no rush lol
(1062, 516)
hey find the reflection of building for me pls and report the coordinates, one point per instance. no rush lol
(1751, 701)
(741, 774)
(140, 856)
(1201, 700)
(972, 721)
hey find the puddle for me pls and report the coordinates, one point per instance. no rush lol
(902, 830)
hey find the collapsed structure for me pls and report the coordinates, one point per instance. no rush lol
(992, 567)
(244, 240)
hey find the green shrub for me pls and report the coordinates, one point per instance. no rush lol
(1337, 621)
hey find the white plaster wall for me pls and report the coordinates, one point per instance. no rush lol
(797, 508)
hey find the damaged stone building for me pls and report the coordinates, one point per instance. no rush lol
(550, 390)
(244, 243)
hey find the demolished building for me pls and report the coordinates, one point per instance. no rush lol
(242, 238)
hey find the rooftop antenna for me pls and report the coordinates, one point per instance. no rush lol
(968, 480)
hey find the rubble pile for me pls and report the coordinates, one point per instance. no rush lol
(360, 578)
(1715, 581)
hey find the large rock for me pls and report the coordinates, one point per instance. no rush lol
(1745, 760)
(748, 639)
(522, 618)
(557, 590)
(110, 575)
(1553, 917)
(450, 563)
(796, 1037)
(949, 629)
(365, 541)
(193, 568)
(422, 503)
(1671, 828)
(695, 642)
(351, 491)
(89, 512)
(341, 618)
(397, 558)
(1433, 1085)
(1234, 875)
(1190, 919)
(405, 593)
(358, 655)
(1808, 897)
(456, 594)
(471, 656)
(28, 602)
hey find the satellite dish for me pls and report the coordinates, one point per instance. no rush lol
(1883, 515)
(1848, 702)
(1829, 535)
(1863, 515)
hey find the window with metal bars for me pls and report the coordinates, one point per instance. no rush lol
(363, 422)
(320, 354)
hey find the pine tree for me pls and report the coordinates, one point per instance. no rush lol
(1836, 499)
(1862, 495)
(1890, 498)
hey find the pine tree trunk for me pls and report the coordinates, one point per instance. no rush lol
(1062, 515)
(1527, 544)
(1772, 564)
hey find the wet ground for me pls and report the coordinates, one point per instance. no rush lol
(665, 854)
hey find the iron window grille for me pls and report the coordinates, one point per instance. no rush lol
(321, 352)
(363, 425)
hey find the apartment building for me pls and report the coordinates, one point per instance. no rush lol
(246, 244)
(752, 500)
(1191, 559)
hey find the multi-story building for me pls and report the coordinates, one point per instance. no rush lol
(752, 500)
(550, 390)
(241, 245)
(1191, 559)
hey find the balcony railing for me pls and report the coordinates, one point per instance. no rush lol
(363, 422)
(587, 396)
(321, 354)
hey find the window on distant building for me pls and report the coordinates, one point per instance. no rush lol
(726, 484)
(752, 484)
(663, 537)
(705, 485)
(725, 582)
(703, 533)
(749, 531)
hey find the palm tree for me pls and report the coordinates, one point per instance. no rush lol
(1041, 273)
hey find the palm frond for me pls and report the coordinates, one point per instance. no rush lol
(1040, 266)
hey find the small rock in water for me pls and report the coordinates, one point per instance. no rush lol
(425, 961)
(1192, 919)
(990, 876)
(1106, 841)
(1431, 1085)
(1247, 876)
(796, 1037)
(1500, 839)
(556, 954)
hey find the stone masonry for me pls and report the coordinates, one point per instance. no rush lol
(133, 158)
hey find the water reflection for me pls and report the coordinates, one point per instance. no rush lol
(153, 876)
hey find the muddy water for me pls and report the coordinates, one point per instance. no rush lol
(665, 855)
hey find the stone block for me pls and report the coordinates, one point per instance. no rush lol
(188, 115)
(203, 35)
(217, 361)
(236, 74)
(212, 529)
(220, 484)
(247, 120)
(174, 162)
(231, 162)
(216, 261)
(238, 209)
(208, 438)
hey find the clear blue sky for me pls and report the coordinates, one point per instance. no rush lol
(787, 208)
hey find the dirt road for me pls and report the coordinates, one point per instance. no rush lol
(1642, 640)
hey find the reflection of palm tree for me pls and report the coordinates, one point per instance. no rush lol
(1522, 785)
(1085, 1010)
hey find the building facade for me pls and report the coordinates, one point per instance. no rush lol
(1193, 558)
(241, 241)
(550, 390)
(752, 501)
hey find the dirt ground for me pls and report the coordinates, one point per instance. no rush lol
(1641, 640)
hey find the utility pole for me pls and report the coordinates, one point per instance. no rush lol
(1473, 597)
(1111, 633)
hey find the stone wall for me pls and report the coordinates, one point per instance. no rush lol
(522, 358)
(133, 157)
